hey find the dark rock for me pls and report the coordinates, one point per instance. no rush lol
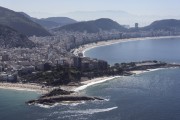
(62, 98)
(56, 92)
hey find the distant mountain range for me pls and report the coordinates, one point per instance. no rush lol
(122, 17)
(21, 23)
(51, 22)
(11, 38)
(92, 26)
(167, 25)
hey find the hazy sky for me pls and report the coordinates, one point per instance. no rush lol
(141, 11)
(45, 8)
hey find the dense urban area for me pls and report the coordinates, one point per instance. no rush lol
(53, 53)
(42, 50)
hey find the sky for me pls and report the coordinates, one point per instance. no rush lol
(48, 8)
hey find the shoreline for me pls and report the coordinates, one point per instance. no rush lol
(72, 97)
(84, 84)
(76, 89)
(83, 48)
(95, 81)
(24, 87)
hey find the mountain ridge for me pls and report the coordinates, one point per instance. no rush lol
(51, 22)
(21, 23)
(93, 26)
(165, 24)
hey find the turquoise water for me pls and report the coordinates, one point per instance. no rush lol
(148, 96)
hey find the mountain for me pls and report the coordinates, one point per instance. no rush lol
(21, 23)
(93, 26)
(117, 15)
(11, 38)
(60, 20)
(167, 25)
(51, 22)
(122, 17)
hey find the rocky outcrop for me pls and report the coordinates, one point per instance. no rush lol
(61, 98)
(58, 95)
(57, 92)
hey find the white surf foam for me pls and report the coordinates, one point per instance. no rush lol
(92, 111)
(46, 106)
(93, 83)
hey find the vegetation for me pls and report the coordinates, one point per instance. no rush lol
(21, 23)
(58, 75)
(11, 38)
(62, 75)
(51, 22)
(93, 26)
(166, 25)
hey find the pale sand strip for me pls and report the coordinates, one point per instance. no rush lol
(84, 48)
(25, 87)
(136, 72)
(84, 84)
(88, 83)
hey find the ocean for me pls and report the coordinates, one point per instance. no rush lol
(148, 96)
(158, 49)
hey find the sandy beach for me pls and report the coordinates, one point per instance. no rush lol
(88, 83)
(84, 48)
(25, 87)
(84, 84)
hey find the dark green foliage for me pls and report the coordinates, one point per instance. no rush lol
(57, 92)
(11, 38)
(58, 76)
(61, 75)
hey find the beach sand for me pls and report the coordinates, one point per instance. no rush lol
(88, 83)
(25, 87)
(84, 84)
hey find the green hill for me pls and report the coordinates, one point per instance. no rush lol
(21, 23)
(51, 22)
(167, 25)
(93, 26)
(11, 38)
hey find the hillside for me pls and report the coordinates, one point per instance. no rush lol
(93, 26)
(21, 23)
(167, 25)
(11, 38)
(51, 22)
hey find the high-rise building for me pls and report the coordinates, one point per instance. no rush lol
(77, 62)
(136, 25)
(5, 57)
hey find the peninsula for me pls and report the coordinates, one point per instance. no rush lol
(58, 95)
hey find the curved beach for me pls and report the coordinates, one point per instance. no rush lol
(84, 84)
(82, 49)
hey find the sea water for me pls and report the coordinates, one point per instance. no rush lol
(158, 49)
(148, 96)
